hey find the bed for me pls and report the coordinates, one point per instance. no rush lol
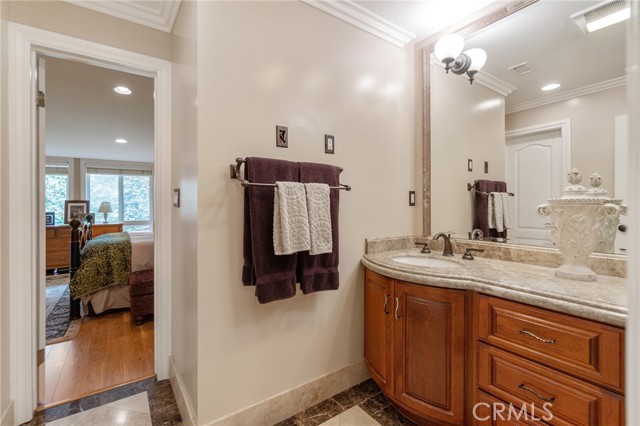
(107, 286)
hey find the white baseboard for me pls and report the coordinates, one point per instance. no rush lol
(8, 418)
(286, 404)
(182, 396)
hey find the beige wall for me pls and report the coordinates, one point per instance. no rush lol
(66, 18)
(4, 222)
(592, 128)
(467, 121)
(266, 63)
(184, 219)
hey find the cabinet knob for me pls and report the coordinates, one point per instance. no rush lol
(622, 228)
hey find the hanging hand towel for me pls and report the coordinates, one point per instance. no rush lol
(498, 211)
(290, 219)
(274, 276)
(319, 208)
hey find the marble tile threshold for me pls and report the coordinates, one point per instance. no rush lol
(162, 407)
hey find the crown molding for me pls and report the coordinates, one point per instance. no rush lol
(159, 15)
(587, 90)
(366, 20)
(484, 79)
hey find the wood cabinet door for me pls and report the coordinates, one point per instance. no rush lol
(429, 351)
(378, 328)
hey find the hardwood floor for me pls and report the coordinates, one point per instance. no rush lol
(109, 351)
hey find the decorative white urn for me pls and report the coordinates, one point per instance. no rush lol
(581, 221)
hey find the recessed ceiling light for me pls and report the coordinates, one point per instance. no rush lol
(121, 140)
(123, 90)
(548, 87)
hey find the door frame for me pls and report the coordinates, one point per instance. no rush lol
(564, 126)
(26, 232)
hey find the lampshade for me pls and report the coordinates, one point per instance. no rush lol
(449, 46)
(478, 59)
(105, 207)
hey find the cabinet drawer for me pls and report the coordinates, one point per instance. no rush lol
(58, 244)
(490, 411)
(586, 349)
(522, 382)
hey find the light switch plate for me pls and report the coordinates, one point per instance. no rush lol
(412, 198)
(470, 165)
(486, 167)
(176, 197)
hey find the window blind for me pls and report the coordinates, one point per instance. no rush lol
(56, 169)
(114, 170)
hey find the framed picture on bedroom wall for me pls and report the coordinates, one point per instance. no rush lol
(75, 209)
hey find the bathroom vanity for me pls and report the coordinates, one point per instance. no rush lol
(451, 344)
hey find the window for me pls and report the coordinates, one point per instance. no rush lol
(129, 190)
(57, 186)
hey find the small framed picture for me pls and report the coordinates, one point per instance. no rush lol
(329, 146)
(75, 209)
(282, 137)
(50, 218)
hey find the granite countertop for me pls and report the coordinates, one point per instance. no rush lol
(604, 300)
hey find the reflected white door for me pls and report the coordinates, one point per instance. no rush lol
(41, 233)
(621, 176)
(535, 163)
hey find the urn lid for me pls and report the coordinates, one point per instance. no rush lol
(576, 193)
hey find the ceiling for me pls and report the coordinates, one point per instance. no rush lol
(543, 35)
(84, 115)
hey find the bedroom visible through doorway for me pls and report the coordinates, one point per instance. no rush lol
(97, 157)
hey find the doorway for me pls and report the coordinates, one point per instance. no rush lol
(27, 257)
(97, 137)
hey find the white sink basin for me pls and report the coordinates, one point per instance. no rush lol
(431, 262)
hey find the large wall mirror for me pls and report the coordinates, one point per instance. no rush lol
(503, 127)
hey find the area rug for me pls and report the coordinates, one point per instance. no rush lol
(58, 326)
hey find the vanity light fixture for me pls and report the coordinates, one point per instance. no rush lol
(122, 90)
(551, 86)
(121, 141)
(449, 50)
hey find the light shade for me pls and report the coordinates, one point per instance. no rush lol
(105, 207)
(478, 59)
(449, 46)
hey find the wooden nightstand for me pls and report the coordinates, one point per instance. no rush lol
(106, 228)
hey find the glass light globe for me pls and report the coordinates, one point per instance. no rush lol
(478, 58)
(449, 46)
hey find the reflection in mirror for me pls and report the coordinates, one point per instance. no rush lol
(528, 137)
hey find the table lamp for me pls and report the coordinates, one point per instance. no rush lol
(105, 207)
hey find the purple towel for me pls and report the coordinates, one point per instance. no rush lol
(274, 276)
(320, 272)
(481, 214)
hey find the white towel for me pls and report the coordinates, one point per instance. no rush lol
(498, 211)
(319, 208)
(290, 219)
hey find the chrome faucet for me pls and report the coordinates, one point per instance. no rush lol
(448, 249)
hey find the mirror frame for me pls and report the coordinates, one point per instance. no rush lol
(426, 100)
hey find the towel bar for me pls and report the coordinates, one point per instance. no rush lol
(472, 187)
(234, 172)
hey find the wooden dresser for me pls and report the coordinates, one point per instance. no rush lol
(58, 238)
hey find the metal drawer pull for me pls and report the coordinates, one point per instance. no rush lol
(386, 303)
(528, 333)
(397, 307)
(527, 388)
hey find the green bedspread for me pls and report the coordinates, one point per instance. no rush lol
(104, 260)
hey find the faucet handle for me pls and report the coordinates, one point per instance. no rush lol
(425, 247)
(467, 253)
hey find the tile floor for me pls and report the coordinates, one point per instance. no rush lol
(143, 403)
(152, 403)
(361, 405)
